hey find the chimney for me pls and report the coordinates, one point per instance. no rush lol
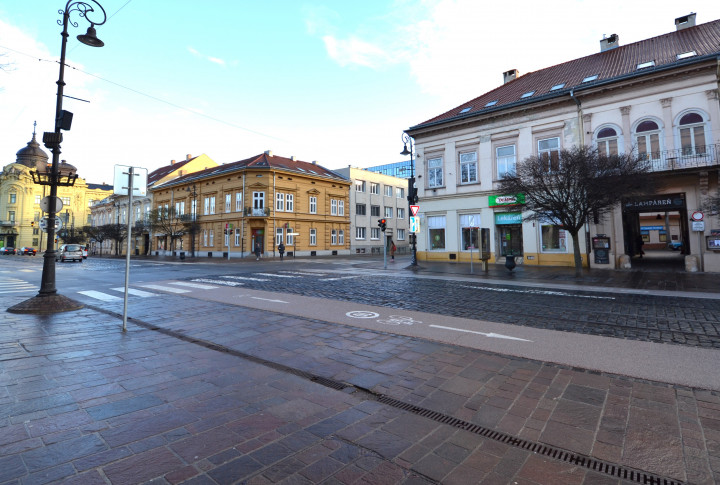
(172, 162)
(188, 156)
(685, 22)
(608, 43)
(268, 153)
(314, 162)
(293, 158)
(510, 75)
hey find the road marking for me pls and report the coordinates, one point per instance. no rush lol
(98, 295)
(165, 288)
(28, 270)
(338, 278)
(135, 292)
(399, 320)
(245, 278)
(218, 282)
(277, 275)
(267, 299)
(537, 292)
(193, 285)
(362, 314)
(491, 335)
(302, 273)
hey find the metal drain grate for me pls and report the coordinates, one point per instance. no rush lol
(559, 454)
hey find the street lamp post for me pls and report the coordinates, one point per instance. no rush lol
(412, 193)
(193, 216)
(47, 299)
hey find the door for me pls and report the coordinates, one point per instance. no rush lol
(511, 240)
(258, 238)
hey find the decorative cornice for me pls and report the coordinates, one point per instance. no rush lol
(666, 102)
(625, 110)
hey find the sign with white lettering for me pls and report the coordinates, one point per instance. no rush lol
(505, 200)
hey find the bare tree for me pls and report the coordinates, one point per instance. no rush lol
(115, 232)
(95, 233)
(578, 185)
(168, 222)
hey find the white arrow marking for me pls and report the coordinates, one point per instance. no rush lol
(538, 292)
(277, 275)
(267, 299)
(490, 335)
(245, 278)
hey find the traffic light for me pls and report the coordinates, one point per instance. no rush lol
(412, 191)
(32, 223)
(382, 224)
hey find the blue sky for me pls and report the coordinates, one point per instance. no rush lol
(332, 81)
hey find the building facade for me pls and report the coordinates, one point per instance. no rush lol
(374, 196)
(259, 202)
(657, 98)
(20, 198)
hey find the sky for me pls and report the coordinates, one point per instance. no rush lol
(335, 82)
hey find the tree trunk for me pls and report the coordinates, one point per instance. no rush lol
(576, 252)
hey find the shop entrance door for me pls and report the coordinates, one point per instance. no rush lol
(511, 243)
(258, 237)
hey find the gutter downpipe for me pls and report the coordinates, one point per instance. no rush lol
(581, 138)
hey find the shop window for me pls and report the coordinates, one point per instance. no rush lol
(553, 239)
(469, 228)
(436, 232)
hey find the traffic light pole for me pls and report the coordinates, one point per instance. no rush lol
(412, 193)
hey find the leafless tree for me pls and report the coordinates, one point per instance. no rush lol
(575, 186)
(168, 222)
(115, 232)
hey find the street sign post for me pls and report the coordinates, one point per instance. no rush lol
(44, 224)
(414, 210)
(415, 224)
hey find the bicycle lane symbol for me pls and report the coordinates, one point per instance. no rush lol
(391, 320)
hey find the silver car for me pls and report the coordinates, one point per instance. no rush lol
(69, 252)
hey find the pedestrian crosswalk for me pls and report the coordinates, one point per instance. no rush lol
(9, 285)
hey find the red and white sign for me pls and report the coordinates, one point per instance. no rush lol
(697, 216)
(414, 210)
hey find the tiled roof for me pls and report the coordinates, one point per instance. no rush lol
(161, 172)
(261, 161)
(99, 186)
(615, 63)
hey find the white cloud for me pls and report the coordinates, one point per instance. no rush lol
(215, 60)
(354, 51)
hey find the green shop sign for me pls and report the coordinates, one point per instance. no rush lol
(508, 218)
(505, 200)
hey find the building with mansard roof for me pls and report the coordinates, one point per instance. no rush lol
(657, 97)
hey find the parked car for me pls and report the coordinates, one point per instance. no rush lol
(675, 245)
(28, 250)
(69, 252)
(8, 250)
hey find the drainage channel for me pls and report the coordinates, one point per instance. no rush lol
(599, 466)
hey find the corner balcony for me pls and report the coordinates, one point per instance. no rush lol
(684, 158)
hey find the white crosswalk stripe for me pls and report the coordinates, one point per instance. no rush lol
(99, 295)
(165, 288)
(193, 285)
(14, 285)
(135, 292)
(248, 278)
(277, 275)
(219, 282)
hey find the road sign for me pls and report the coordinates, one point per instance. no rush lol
(414, 224)
(44, 224)
(414, 210)
(45, 204)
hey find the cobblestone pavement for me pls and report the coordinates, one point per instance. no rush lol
(199, 392)
(660, 319)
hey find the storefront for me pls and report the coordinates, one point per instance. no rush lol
(508, 227)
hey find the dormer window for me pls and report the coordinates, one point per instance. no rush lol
(645, 65)
(491, 103)
(528, 94)
(685, 55)
(557, 86)
(590, 78)
(465, 110)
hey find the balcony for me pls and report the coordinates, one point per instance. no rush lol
(252, 212)
(684, 158)
(10, 223)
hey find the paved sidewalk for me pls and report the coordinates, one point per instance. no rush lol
(200, 392)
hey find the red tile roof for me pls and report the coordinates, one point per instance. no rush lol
(615, 63)
(161, 172)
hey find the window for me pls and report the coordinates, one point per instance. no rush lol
(374, 233)
(279, 202)
(549, 153)
(388, 191)
(65, 201)
(228, 202)
(11, 216)
(388, 212)
(692, 134)
(644, 65)
(193, 209)
(289, 202)
(35, 241)
(226, 233)
(289, 238)
(341, 207)
(435, 172)
(212, 237)
(13, 198)
(137, 212)
(647, 139)
(341, 237)
(360, 209)
(436, 232)
(401, 213)
(557, 86)
(313, 205)
(685, 55)
(505, 159)
(465, 110)
(205, 238)
(469, 228)
(590, 78)
(258, 200)
(333, 237)
(36, 217)
(374, 211)
(528, 94)
(374, 188)
(207, 205)
(359, 233)
(491, 103)
(278, 236)
(607, 141)
(401, 234)
(180, 208)
(400, 193)
(37, 199)
(553, 239)
(360, 186)
(468, 168)
(333, 207)
(237, 237)
(313, 237)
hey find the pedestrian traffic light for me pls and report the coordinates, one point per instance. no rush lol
(32, 223)
(382, 224)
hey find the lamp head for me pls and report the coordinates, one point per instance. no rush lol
(90, 38)
(405, 151)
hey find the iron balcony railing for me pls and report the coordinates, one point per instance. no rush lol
(7, 223)
(683, 158)
(253, 212)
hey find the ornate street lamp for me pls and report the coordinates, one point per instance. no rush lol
(412, 193)
(47, 299)
(193, 216)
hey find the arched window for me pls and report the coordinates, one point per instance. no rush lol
(692, 134)
(647, 139)
(607, 141)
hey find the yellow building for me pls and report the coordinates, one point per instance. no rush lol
(260, 201)
(20, 200)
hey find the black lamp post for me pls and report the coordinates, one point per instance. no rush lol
(47, 299)
(193, 217)
(412, 193)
